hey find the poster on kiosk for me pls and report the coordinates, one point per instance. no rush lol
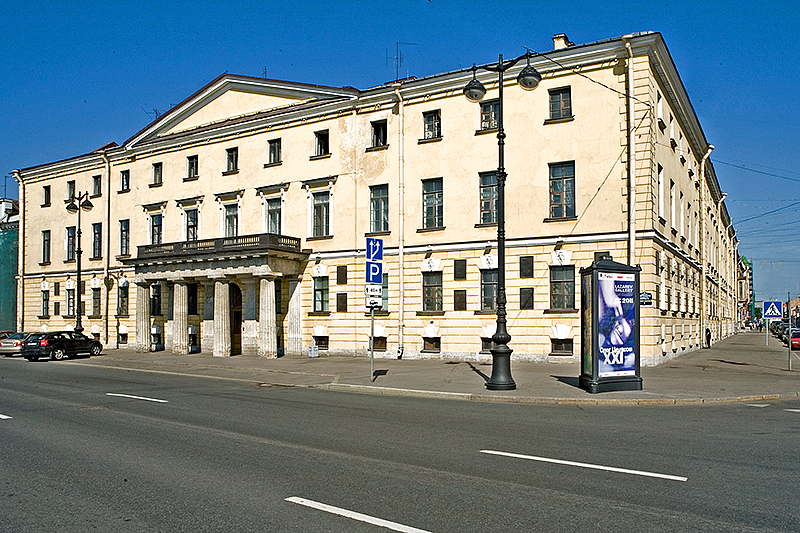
(610, 327)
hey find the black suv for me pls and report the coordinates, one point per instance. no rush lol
(58, 345)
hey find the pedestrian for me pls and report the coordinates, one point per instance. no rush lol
(708, 338)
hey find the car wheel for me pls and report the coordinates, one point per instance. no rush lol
(58, 354)
(95, 350)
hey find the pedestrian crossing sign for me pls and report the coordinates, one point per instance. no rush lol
(773, 309)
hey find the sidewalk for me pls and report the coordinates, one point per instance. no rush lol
(739, 368)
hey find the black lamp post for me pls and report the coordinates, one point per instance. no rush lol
(528, 79)
(78, 203)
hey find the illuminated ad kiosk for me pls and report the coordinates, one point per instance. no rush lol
(610, 327)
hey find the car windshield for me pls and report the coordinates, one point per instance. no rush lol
(21, 335)
(36, 336)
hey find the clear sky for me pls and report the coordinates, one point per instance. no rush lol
(77, 75)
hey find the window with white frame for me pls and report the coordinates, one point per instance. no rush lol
(560, 103)
(232, 159)
(192, 224)
(490, 111)
(321, 297)
(97, 185)
(231, 214)
(379, 133)
(124, 180)
(488, 197)
(321, 143)
(45, 196)
(321, 214)
(562, 190)
(46, 246)
(432, 203)
(274, 151)
(156, 228)
(192, 167)
(379, 208)
(274, 215)
(158, 175)
(432, 124)
(70, 189)
(124, 237)
(97, 240)
(70, 243)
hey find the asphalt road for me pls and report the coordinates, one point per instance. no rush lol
(86, 448)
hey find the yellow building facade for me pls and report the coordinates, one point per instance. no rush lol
(237, 222)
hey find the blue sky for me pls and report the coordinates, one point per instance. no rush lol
(77, 75)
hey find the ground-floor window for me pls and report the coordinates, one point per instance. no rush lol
(431, 344)
(321, 341)
(561, 346)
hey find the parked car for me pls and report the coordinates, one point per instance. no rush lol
(4, 334)
(59, 344)
(12, 345)
(795, 339)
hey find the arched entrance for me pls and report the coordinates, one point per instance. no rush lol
(235, 296)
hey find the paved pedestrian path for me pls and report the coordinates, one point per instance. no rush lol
(749, 366)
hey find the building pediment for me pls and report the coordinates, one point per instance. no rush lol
(230, 97)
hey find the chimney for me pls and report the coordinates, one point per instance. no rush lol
(561, 41)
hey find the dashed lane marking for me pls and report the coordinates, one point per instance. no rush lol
(587, 465)
(394, 526)
(137, 397)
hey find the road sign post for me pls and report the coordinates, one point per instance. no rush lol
(373, 291)
(773, 309)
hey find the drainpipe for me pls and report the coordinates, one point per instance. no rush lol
(107, 281)
(631, 157)
(702, 243)
(401, 218)
(23, 217)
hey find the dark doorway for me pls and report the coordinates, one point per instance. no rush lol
(235, 294)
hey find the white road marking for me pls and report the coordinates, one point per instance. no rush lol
(137, 397)
(394, 526)
(757, 405)
(5, 417)
(587, 465)
(793, 410)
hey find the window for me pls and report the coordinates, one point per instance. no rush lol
(45, 303)
(488, 197)
(431, 291)
(56, 308)
(192, 167)
(341, 274)
(191, 298)
(672, 203)
(158, 177)
(70, 302)
(562, 287)
(561, 346)
(70, 243)
(155, 299)
(321, 143)
(459, 300)
(431, 344)
(97, 185)
(231, 220)
(278, 301)
(560, 103)
(379, 133)
(97, 240)
(341, 302)
(274, 151)
(46, 246)
(321, 295)
(192, 233)
(660, 192)
(526, 298)
(488, 290)
(321, 215)
(122, 301)
(70, 189)
(562, 190)
(526, 266)
(124, 237)
(95, 302)
(432, 124)
(460, 269)
(379, 208)
(124, 180)
(274, 216)
(56, 288)
(46, 196)
(489, 112)
(432, 204)
(156, 228)
(232, 159)
(321, 341)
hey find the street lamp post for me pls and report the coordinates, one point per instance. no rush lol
(78, 203)
(474, 91)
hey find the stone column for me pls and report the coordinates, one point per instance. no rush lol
(267, 336)
(294, 319)
(222, 319)
(142, 317)
(207, 339)
(169, 323)
(180, 319)
(250, 319)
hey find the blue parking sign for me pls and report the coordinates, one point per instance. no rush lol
(374, 272)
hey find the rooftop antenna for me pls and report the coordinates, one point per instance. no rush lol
(154, 113)
(264, 73)
(398, 58)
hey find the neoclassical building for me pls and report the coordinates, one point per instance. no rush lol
(237, 221)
